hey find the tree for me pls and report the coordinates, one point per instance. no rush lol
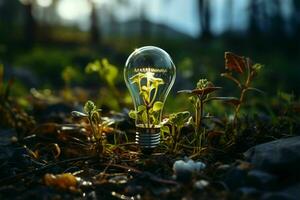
(204, 16)
(95, 35)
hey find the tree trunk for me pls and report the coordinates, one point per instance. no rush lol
(204, 16)
(95, 36)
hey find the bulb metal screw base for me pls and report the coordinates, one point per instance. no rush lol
(148, 139)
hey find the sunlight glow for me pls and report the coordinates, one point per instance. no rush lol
(73, 10)
(44, 3)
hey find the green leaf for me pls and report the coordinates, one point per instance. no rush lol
(257, 67)
(150, 111)
(93, 67)
(109, 71)
(132, 114)
(141, 108)
(144, 95)
(137, 77)
(256, 90)
(89, 106)
(144, 117)
(78, 114)
(145, 88)
(179, 118)
(157, 106)
(165, 129)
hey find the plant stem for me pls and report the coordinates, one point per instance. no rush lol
(243, 92)
(92, 126)
(154, 96)
(148, 117)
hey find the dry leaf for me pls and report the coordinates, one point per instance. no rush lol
(234, 62)
(62, 181)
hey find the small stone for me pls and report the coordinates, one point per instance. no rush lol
(201, 184)
(184, 170)
(189, 165)
(224, 167)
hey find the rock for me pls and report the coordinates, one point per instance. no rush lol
(223, 167)
(279, 157)
(261, 179)
(201, 184)
(184, 170)
(289, 193)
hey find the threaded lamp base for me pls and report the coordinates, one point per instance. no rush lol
(148, 139)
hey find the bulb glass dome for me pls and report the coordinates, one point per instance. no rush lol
(149, 75)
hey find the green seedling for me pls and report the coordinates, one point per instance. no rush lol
(241, 71)
(175, 121)
(93, 114)
(148, 113)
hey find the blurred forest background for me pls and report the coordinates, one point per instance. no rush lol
(47, 44)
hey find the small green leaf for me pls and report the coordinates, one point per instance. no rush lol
(257, 67)
(165, 129)
(78, 114)
(144, 117)
(137, 78)
(256, 90)
(157, 106)
(141, 108)
(132, 114)
(89, 106)
(144, 95)
(145, 88)
(93, 67)
(150, 110)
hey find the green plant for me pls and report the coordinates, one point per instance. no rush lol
(148, 113)
(245, 71)
(199, 97)
(109, 73)
(176, 121)
(93, 114)
(12, 115)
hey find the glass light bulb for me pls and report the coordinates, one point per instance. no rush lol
(149, 75)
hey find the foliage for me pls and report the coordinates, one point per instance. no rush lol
(247, 71)
(199, 97)
(109, 73)
(172, 127)
(105, 70)
(149, 113)
(96, 124)
(11, 115)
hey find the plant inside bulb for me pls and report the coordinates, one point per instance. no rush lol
(148, 114)
(149, 75)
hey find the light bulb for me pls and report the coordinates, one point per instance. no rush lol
(149, 75)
